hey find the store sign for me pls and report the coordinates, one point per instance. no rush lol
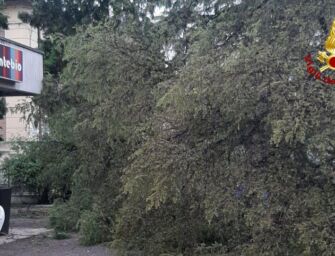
(21, 69)
(11, 64)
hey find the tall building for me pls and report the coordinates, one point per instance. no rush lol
(13, 126)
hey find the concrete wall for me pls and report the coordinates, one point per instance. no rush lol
(19, 31)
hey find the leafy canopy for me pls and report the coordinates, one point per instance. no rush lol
(225, 148)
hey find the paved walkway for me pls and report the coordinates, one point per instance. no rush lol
(46, 246)
(30, 236)
(22, 233)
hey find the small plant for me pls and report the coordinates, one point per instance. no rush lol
(64, 217)
(92, 230)
(59, 235)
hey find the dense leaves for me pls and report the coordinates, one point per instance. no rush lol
(198, 133)
(3, 18)
(44, 168)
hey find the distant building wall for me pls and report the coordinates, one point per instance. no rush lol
(19, 31)
(13, 126)
(24, 34)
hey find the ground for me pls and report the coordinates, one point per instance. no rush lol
(43, 245)
(22, 241)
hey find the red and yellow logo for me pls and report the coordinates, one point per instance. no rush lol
(326, 58)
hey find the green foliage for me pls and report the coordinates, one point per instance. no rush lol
(44, 167)
(53, 54)
(232, 143)
(64, 217)
(3, 111)
(226, 149)
(3, 18)
(93, 229)
(3, 108)
(21, 170)
(58, 235)
(57, 16)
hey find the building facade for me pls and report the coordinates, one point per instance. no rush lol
(12, 126)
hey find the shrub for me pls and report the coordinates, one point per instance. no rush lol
(43, 167)
(64, 217)
(92, 229)
(22, 170)
(59, 235)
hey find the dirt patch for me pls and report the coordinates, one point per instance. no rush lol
(21, 222)
(35, 218)
(43, 245)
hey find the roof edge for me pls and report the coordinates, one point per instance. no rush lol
(21, 45)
